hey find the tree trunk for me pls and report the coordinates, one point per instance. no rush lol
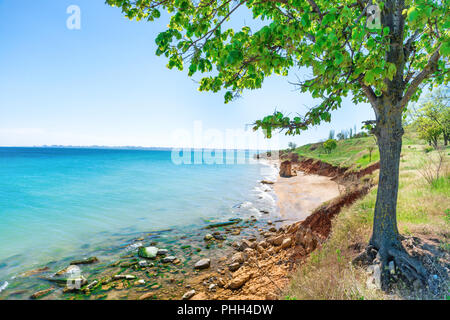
(389, 133)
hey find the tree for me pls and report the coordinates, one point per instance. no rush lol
(382, 60)
(330, 145)
(292, 145)
(429, 131)
(433, 117)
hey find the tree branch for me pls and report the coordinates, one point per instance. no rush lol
(425, 73)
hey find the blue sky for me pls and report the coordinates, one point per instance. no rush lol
(103, 84)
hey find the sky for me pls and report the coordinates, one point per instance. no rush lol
(102, 84)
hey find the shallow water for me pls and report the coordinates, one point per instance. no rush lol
(61, 203)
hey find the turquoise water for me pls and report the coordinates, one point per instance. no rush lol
(54, 201)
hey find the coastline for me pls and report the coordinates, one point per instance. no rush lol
(251, 259)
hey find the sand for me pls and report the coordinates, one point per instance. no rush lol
(298, 196)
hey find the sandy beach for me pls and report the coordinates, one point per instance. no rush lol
(298, 196)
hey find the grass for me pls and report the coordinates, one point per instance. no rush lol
(352, 153)
(423, 209)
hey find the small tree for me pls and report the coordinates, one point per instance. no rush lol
(292, 146)
(329, 145)
(379, 52)
(429, 130)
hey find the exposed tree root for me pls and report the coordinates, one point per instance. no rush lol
(414, 266)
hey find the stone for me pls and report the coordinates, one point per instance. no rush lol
(219, 236)
(273, 229)
(188, 295)
(168, 259)
(212, 287)
(234, 266)
(148, 252)
(140, 282)
(92, 284)
(124, 277)
(286, 170)
(162, 252)
(276, 241)
(246, 244)
(269, 222)
(85, 261)
(147, 295)
(377, 276)
(40, 294)
(208, 237)
(143, 263)
(200, 296)
(286, 243)
(239, 281)
(203, 264)
(238, 257)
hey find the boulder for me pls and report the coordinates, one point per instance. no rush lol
(234, 266)
(239, 281)
(238, 257)
(276, 240)
(203, 264)
(286, 170)
(162, 252)
(148, 252)
(286, 243)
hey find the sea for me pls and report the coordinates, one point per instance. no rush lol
(65, 202)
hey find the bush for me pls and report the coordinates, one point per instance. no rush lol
(330, 145)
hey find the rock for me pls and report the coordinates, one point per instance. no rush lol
(286, 243)
(286, 170)
(203, 264)
(143, 263)
(238, 257)
(249, 252)
(69, 270)
(220, 282)
(269, 222)
(273, 229)
(34, 272)
(276, 241)
(212, 287)
(148, 252)
(208, 237)
(417, 284)
(246, 244)
(168, 259)
(219, 237)
(200, 296)
(239, 281)
(234, 266)
(124, 277)
(377, 276)
(147, 295)
(267, 182)
(188, 295)
(392, 267)
(91, 285)
(85, 261)
(263, 244)
(140, 282)
(236, 232)
(40, 294)
(3, 286)
(162, 252)
(260, 249)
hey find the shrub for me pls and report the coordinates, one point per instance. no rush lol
(330, 145)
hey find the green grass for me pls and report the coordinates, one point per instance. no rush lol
(422, 210)
(348, 153)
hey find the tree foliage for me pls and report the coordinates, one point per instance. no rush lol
(432, 118)
(330, 37)
(330, 145)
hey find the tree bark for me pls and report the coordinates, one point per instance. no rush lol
(389, 132)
